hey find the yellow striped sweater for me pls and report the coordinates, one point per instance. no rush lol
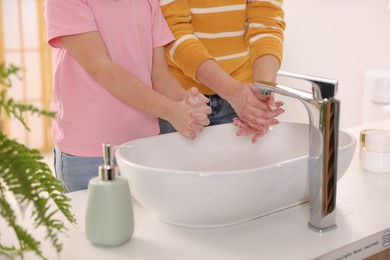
(233, 32)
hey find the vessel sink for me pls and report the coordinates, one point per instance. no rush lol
(221, 179)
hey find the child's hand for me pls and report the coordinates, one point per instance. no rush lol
(194, 112)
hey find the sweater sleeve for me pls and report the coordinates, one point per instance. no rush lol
(265, 34)
(187, 52)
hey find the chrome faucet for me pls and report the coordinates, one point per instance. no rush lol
(324, 113)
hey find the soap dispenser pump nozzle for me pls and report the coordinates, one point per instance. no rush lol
(107, 171)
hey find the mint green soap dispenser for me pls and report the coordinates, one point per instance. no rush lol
(109, 215)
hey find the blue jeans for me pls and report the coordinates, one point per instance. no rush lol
(221, 113)
(75, 171)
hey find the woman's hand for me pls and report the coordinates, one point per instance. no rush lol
(254, 109)
(268, 117)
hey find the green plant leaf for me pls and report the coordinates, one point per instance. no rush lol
(25, 176)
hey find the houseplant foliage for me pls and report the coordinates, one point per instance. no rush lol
(28, 179)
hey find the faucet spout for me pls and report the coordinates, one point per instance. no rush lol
(324, 114)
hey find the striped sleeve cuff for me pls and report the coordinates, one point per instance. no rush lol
(188, 53)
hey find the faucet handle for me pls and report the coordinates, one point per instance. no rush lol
(323, 88)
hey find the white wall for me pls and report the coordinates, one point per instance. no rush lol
(338, 39)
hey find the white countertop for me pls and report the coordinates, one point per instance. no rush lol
(362, 217)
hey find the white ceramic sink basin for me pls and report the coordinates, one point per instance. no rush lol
(221, 179)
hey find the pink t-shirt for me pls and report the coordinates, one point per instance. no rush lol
(87, 114)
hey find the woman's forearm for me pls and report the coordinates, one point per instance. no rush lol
(265, 68)
(215, 78)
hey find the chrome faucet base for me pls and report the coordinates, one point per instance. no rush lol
(321, 230)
